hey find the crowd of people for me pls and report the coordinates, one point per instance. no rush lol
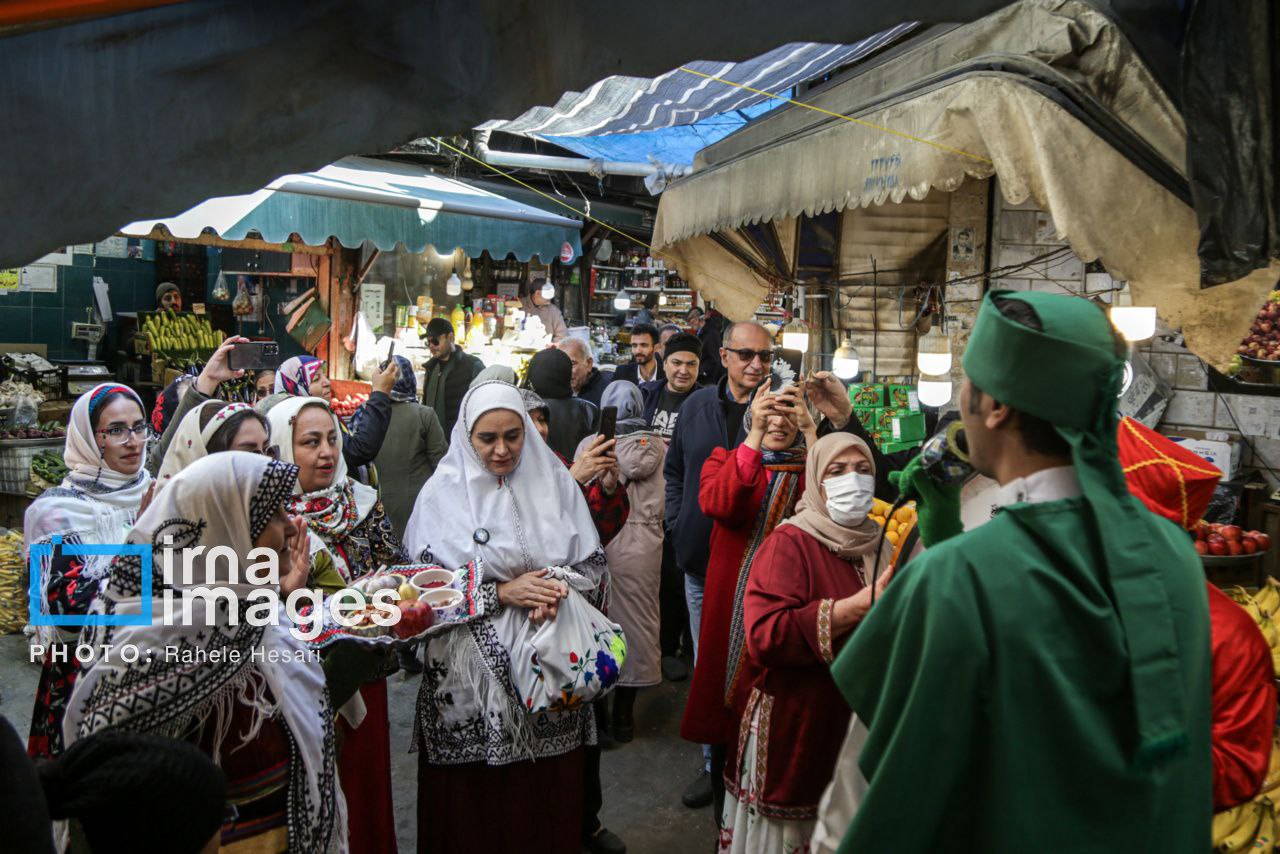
(1047, 674)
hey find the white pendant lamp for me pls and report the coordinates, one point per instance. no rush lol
(795, 336)
(933, 353)
(846, 362)
(622, 301)
(1135, 322)
(548, 290)
(934, 392)
(453, 285)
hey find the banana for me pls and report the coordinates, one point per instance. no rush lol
(1245, 832)
(1267, 598)
(1225, 823)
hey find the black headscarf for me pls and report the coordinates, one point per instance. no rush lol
(551, 373)
(27, 825)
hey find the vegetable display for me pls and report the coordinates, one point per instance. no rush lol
(1263, 340)
(47, 430)
(49, 466)
(181, 335)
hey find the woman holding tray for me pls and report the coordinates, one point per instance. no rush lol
(504, 509)
(350, 530)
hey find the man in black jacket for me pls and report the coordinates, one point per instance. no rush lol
(646, 363)
(449, 373)
(713, 417)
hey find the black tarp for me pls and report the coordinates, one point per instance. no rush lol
(106, 121)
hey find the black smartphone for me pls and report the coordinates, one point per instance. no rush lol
(254, 355)
(608, 421)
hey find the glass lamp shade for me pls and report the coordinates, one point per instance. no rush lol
(795, 336)
(934, 392)
(548, 290)
(1136, 323)
(845, 362)
(622, 301)
(453, 285)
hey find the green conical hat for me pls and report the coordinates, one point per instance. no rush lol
(1070, 375)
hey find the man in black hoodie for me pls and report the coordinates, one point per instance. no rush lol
(448, 374)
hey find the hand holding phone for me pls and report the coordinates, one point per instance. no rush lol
(254, 356)
(608, 422)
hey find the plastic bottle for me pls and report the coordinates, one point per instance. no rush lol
(459, 320)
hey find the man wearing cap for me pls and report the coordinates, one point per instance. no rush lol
(536, 305)
(1042, 680)
(448, 373)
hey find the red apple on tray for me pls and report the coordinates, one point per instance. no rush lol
(1217, 545)
(1232, 532)
(1202, 548)
(415, 618)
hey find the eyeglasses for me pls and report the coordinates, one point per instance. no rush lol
(434, 340)
(118, 434)
(746, 355)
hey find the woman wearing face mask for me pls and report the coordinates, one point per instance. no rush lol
(746, 492)
(255, 702)
(95, 504)
(212, 427)
(350, 530)
(810, 585)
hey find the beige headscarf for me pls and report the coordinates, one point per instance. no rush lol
(811, 510)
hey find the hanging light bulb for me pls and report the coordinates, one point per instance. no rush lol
(622, 301)
(662, 299)
(453, 285)
(845, 362)
(934, 392)
(933, 353)
(1135, 322)
(548, 290)
(795, 336)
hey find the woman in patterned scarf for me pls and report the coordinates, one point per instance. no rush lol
(746, 492)
(349, 529)
(95, 504)
(250, 696)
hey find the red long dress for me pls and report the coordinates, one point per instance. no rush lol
(732, 503)
(1244, 703)
(795, 581)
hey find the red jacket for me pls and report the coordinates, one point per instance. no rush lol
(732, 504)
(1244, 703)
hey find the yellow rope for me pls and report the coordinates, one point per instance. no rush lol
(834, 114)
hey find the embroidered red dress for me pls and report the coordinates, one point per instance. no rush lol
(802, 716)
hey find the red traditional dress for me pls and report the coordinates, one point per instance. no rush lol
(746, 496)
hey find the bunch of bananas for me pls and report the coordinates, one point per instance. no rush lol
(173, 333)
(1255, 826)
(13, 593)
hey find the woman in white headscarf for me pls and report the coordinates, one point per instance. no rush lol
(212, 427)
(503, 509)
(251, 696)
(349, 530)
(95, 504)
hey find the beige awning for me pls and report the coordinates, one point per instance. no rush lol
(1103, 205)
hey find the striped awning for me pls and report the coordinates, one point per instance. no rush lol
(696, 109)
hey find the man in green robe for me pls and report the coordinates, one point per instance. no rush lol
(1042, 682)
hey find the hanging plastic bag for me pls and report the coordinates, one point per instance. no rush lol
(242, 305)
(571, 660)
(221, 292)
(26, 413)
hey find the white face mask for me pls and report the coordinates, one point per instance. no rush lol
(849, 498)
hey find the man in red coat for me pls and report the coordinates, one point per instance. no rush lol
(1175, 483)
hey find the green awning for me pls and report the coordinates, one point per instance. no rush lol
(360, 199)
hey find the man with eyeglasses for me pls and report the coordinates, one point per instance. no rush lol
(447, 374)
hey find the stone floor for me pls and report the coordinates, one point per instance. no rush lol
(642, 780)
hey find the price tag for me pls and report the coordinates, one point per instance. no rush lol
(198, 307)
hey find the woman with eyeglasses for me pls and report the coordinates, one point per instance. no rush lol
(212, 427)
(348, 527)
(95, 504)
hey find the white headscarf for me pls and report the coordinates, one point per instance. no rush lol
(532, 518)
(190, 442)
(94, 504)
(343, 490)
(223, 500)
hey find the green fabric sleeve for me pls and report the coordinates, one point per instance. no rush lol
(437, 445)
(914, 673)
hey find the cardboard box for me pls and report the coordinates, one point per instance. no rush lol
(903, 397)
(867, 396)
(869, 419)
(895, 447)
(1223, 454)
(885, 420)
(908, 427)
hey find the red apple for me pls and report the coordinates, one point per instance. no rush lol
(415, 618)
(1202, 548)
(1234, 548)
(1217, 545)
(1232, 532)
(1263, 541)
(1202, 531)
(1249, 545)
